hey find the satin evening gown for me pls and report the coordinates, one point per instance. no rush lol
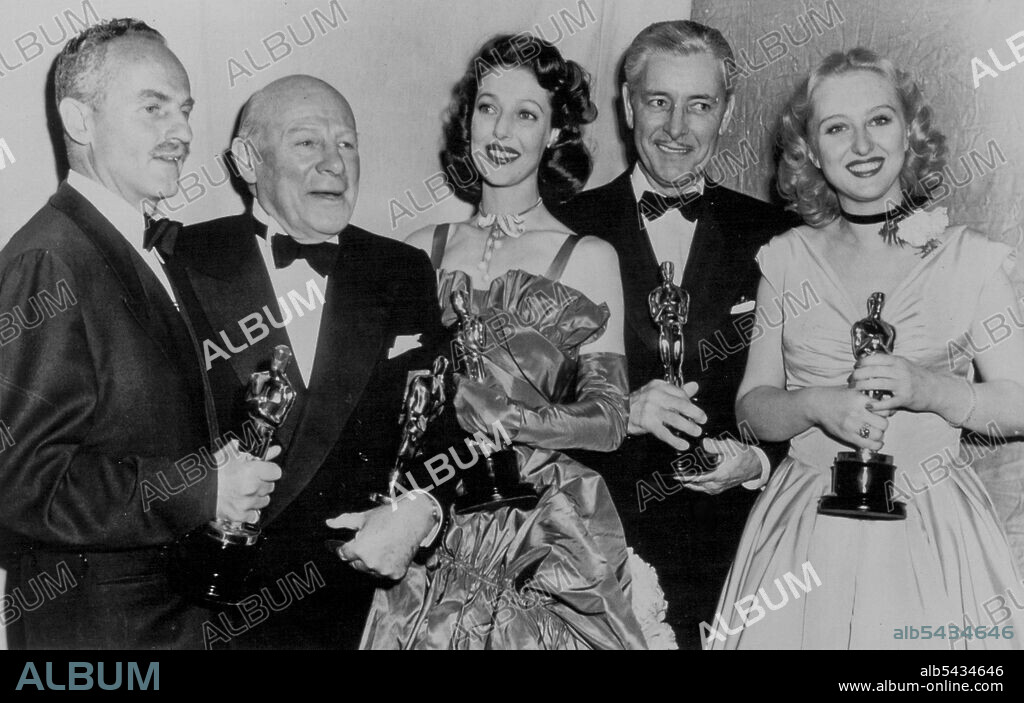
(552, 577)
(826, 582)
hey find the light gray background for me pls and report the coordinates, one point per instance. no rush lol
(397, 61)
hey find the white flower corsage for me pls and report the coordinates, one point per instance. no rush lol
(921, 229)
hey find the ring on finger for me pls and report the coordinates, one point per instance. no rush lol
(865, 430)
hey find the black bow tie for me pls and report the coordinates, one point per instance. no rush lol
(320, 257)
(654, 205)
(161, 234)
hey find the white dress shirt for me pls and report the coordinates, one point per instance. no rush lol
(127, 220)
(671, 238)
(295, 282)
(671, 235)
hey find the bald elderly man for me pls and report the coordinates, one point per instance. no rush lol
(360, 313)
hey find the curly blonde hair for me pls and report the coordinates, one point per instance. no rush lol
(803, 184)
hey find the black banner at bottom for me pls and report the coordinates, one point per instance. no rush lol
(311, 675)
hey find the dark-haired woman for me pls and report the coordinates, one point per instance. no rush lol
(557, 575)
(859, 150)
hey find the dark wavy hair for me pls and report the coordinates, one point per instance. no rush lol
(566, 164)
(803, 184)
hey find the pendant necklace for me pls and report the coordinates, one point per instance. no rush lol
(501, 226)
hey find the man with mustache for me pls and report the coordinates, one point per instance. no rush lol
(360, 313)
(103, 390)
(678, 101)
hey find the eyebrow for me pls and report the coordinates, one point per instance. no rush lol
(492, 96)
(314, 128)
(699, 96)
(885, 105)
(163, 97)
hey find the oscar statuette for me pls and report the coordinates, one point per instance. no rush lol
(862, 480)
(221, 555)
(425, 398)
(424, 402)
(669, 306)
(493, 478)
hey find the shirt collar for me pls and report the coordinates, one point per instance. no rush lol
(272, 225)
(126, 219)
(638, 179)
(264, 218)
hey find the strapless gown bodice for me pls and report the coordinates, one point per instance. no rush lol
(556, 576)
(535, 328)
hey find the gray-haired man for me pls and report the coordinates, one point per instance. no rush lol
(678, 102)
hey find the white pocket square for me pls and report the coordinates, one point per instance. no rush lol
(403, 343)
(744, 306)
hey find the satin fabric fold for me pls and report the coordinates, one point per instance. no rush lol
(597, 419)
(825, 582)
(555, 576)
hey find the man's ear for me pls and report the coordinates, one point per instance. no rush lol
(627, 105)
(76, 117)
(245, 156)
(730, 105)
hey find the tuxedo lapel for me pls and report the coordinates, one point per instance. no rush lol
(636, 259)
(151, 310)
(703, 274)
(349, 345)
(713, 278)
(235, 285)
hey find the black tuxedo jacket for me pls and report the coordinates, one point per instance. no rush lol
(688, 536)
(342, 434)
(103, 393)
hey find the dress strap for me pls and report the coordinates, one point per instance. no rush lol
(562, 257)
(440, 241)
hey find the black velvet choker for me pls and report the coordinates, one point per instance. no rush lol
(897, 213)
(890, 218)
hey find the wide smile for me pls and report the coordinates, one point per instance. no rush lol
(865, 168)
(675, 150)
(500, 155)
